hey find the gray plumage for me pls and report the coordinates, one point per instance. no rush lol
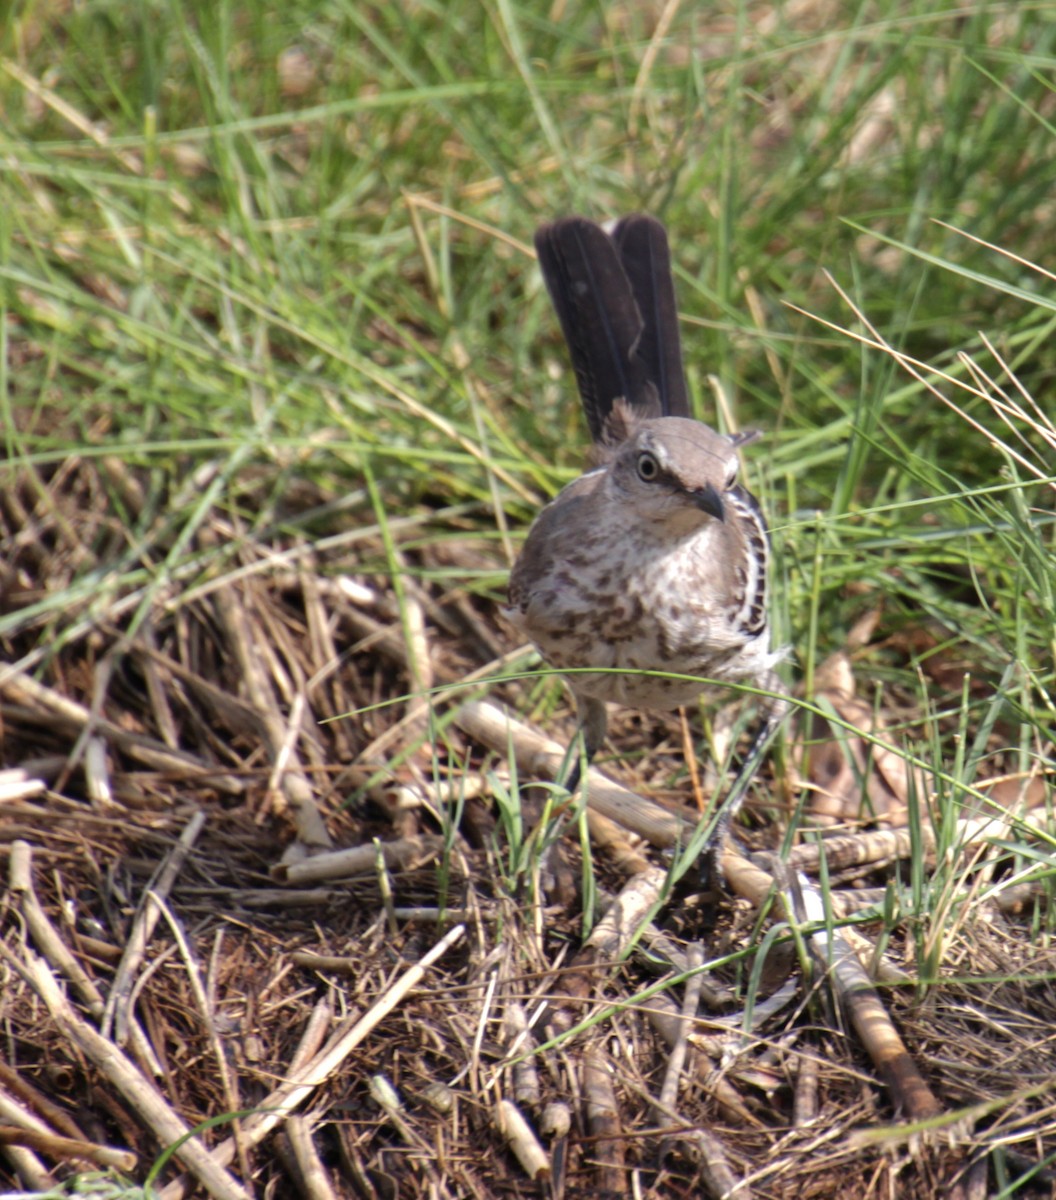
(655, 559)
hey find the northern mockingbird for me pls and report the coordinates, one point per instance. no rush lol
(655, 560)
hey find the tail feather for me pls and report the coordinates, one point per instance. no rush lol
(642, 244)
(599, 318)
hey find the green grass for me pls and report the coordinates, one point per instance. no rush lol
(202, 272)
(199, 270)
(327, 281)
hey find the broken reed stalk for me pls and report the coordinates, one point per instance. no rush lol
(285, 1098)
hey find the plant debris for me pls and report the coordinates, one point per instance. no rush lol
(261, 904)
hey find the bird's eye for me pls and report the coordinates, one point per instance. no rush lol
(648, 467)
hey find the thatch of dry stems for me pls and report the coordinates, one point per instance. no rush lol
(216, 902)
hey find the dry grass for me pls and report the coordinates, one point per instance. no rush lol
(250, 883)
(187, 693)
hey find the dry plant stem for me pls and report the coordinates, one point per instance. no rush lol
(1019, 897)
(527, 1091)
(61, 958)
(87, 128)
(180, 574)
(117, 1010)
(231, 711)
(426, 914)
(843, 851)
(352, 1164)
(378, 750)
(911, 1095)
(556, 1119)
(63, 1149)
(540, 757)
(324, 688)
(1010, 899)
(762, 1011)
(882, 845)
(654, 945)
(878, 1035)
(976, 1181)
(419, 659)
(690, 1004)
(231, 1097)
(402, 854)
(285, 754)
(277, 1106)
(805, 1103)
(613, 839)
(348, 964)
(880, 969)
(21, 1093)
(383, 742)
(44, 934)
(411, 652)
(385, 888)
(311, 830)
(700, 1146)
(521, 1140)
(603, 1125)
(313, 1035)
(147, 1102)
(96, 774)
(388, 1099)
(715, 1171)
(313, 1174)
(30, 1170)
(311, 1040)
(286, 897)
(17, 784)
(380, 634)
(666, 1020)
(25, 690)
(157, 692)
(472, 1068)
(707, 1152)
(607, 942)
(16, 1116)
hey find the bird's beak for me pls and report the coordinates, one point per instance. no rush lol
(708, 500)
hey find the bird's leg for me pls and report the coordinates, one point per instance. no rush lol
(777, 710)
(593, 723)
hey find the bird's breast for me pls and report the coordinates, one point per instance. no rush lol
(621, 600)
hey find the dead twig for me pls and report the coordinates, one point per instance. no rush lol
(314, 1179)
(541, 758)
(24, 689)
(50, 943)
(607, 943)
(401, 854)
(146, 1101)
(289, 1095)
(602, 1115)
(278, 731)
(60, 1148)
(911, 1095)
(521, 1140)
(117, 1009)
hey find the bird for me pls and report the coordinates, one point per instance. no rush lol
(656, 559)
